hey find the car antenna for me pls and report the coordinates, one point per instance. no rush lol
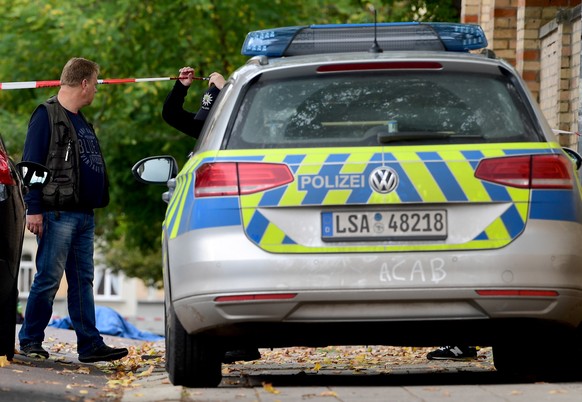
(375, 47)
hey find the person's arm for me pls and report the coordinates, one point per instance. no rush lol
(36, 148)
(174, 114)
(215, 84)
(206, 102)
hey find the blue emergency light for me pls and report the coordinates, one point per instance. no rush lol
(390, 36)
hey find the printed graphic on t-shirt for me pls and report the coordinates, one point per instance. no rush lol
(89, 150)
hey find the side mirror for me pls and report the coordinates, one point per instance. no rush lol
(155, 169)
(574, 155)
(34, 175)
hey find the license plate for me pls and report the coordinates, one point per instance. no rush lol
(384, 225)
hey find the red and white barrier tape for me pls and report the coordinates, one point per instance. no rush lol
(562, 132)
(56, 83)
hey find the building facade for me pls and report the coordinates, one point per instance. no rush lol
(541, 38)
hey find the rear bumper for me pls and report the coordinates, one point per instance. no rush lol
(375, 289)
(355, 309)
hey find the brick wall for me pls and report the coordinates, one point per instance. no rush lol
(528, 53)
(541, 38)
(560, 73)
(575, 74)
(550, 66)
(505, 30)
(479, 12)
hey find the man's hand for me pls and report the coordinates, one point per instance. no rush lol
(187, 72)
(34, 224)
(217, 80)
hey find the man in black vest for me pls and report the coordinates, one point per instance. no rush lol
(61, 214)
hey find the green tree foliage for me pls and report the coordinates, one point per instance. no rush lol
(148, 38)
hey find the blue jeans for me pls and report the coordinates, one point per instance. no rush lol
(66, 246)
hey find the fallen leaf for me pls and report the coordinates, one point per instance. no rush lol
(147, 372)
(78, 370)
(269, 388)
(557, 391)
(4, 361)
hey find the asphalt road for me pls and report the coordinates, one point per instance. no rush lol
(272, 379)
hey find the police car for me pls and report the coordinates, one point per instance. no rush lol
(365, 184)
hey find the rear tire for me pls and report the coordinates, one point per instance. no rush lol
(8, 319)
(539, 358)
(515, 359)
(192, 361)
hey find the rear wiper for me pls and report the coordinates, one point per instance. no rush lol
(386, 137)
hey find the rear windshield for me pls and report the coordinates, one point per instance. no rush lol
(405, 108)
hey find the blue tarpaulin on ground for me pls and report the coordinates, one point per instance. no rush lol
(109, 322)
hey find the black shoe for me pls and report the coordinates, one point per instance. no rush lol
(104, 354)
(247, 355)
(453, 353)
(34, 350)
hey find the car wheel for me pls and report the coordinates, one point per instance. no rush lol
(538, 358)
(191, 360)
(511, 358)
(8, 319)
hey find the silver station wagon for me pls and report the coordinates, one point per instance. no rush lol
(364, 184)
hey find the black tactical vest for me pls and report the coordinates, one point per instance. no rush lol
(62, 192)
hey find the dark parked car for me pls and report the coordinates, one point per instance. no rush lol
(14, 180)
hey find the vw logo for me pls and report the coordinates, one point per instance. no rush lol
(383, 180)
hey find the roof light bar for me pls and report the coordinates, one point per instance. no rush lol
(336, 38)
(460, 37)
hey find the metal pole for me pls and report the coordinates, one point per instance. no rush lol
(57, 83)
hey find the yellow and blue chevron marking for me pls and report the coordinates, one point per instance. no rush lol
(335, 177)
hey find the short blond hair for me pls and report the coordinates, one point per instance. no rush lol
(78, 69)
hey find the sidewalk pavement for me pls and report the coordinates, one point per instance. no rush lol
(277, 380)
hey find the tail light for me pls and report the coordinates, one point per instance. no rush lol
(5, 175)
(530, 171)
(255, 297)
(239, 178)
(518, 292)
